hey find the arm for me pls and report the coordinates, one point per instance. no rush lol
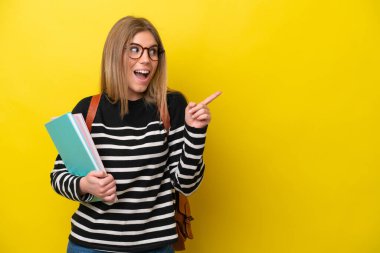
(95, 183)
(186, 139)
(67, 184)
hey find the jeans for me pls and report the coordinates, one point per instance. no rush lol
(74, 248)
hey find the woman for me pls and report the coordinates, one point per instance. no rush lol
(150, 142)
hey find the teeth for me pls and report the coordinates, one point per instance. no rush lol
(144, 72)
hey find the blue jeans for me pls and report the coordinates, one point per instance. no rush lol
(74, 248)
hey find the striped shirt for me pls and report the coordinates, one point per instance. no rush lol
(147, 165)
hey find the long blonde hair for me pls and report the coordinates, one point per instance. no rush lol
(113, 72)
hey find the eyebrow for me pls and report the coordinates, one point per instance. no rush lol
(137, 44)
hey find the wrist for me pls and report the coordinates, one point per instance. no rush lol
(195, 129)
(83, 186)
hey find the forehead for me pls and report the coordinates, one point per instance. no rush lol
(145, 39)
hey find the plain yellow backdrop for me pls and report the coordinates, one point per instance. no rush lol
(293, 148)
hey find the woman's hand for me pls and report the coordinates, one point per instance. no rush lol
(198, 115)
(99, 184)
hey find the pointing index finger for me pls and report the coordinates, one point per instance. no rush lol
(211, 98)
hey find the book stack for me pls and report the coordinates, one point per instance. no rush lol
(74, 143)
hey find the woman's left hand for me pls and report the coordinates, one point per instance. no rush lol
(198, 115)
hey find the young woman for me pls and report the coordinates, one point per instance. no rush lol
(150, 142)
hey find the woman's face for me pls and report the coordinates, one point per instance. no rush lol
(140, 70)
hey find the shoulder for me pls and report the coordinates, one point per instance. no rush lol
(82, 106)
(176, 99)
(176, 105)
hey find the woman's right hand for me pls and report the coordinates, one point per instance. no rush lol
(99, 184)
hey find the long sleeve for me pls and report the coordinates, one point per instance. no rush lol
(65, 183)
(186, 145)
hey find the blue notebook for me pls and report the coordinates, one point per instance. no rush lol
(71, 145)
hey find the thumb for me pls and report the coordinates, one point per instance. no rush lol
(190, 105)
(98, 173)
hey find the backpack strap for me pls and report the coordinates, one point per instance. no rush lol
(92, 110)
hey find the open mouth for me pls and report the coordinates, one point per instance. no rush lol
(141, 73)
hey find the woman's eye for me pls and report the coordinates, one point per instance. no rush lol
(134, 49)
(153, 51)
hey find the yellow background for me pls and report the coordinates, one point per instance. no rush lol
(293, 149)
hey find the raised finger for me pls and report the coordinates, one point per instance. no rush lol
(211, 98)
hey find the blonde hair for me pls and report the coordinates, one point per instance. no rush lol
(113, 72)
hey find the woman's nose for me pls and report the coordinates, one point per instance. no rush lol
(145, 55)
